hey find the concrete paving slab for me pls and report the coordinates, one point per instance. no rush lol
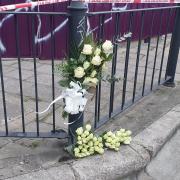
(166, 164)
(8, 62)
(15, 74)
(40, 175)
(63, 172)
(156, 135)
(123, 162)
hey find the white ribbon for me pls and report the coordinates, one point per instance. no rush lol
(75, 101)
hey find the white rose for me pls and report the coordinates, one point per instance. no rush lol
(101, 151)
(88, 127)
(127, 142)
(94, 81)
(107, 46)
(104, 66)
(93, 73)
(97, 51)
(76, 150)
(86, 65)
(79, 131)
(96, 60)
(128, 133)
(79, 72)
(87, 49)
(87, 80)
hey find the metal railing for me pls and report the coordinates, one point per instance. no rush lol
(36, 133)
(169, 70)
(165, 73)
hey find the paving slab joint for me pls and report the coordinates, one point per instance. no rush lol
(76, 174)
(146, 172)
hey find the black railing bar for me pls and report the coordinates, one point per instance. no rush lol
(126, 62)
(63, 135)
(3, 97)
(96, 105)
(52, 66)
(131, 10)
(138, 55)
(101, 39)
(101, 28)
(175, 20)
(99, 100)
(164, 45)
(35, 74)
(20, 72)
(114, 62)
(119, 112)
(157, 46)
(98, 87)
(37, 13)
(147, 55)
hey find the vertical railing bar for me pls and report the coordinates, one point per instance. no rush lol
(52, 58)
(164, 45)
(175, 19)
(126, 62)
(98, 87)
(20, 72)
(3, 96)
(96, 105)
(138, 55)
(147, 55)
(114, 63)
(35, 72)
(157, 45)
(101, 39)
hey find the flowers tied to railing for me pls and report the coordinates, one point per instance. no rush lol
(83, 72)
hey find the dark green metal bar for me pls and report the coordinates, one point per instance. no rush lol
(77, 28)
(131, 10)
(174, 51)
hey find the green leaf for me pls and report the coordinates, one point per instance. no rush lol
(65, 114)
(110, 56)
(82, 57)
(64, 83)
(69, 149)
(75, 50)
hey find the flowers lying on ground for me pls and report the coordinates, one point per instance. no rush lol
(124, 136)
(88, 143)
(89, 62)
(113, 140)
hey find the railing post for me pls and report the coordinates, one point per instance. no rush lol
(77, 29)
(173, 52)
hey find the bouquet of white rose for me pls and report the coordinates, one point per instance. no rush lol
(84, 71)
(87, 66)
(87, 143)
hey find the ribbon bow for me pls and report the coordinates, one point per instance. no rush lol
(75, 101)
